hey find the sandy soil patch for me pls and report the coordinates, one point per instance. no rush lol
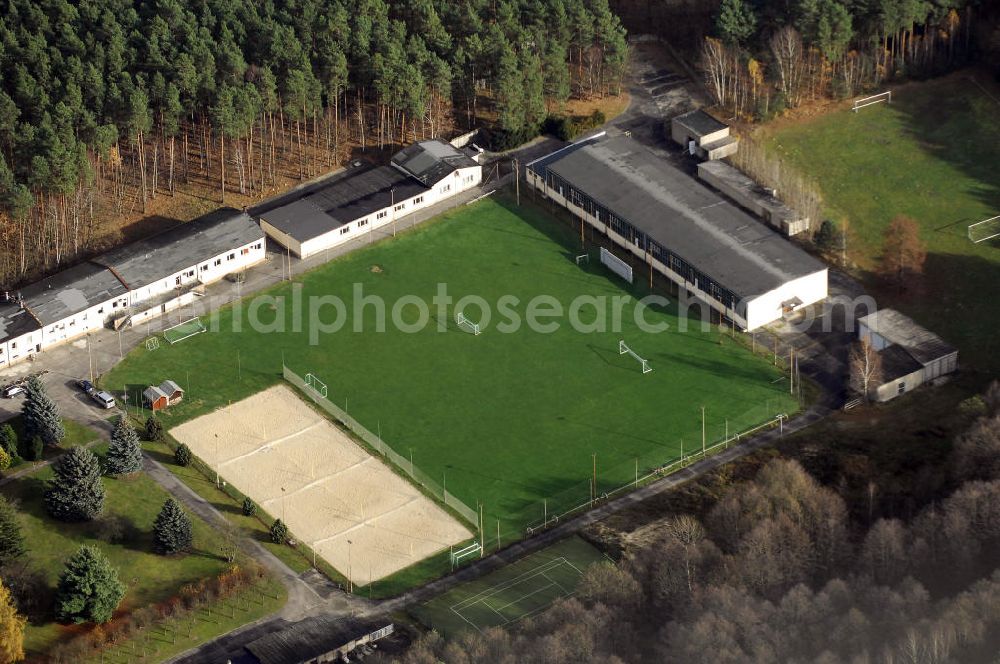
(348, 506)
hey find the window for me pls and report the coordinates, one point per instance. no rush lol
(13, 345)
(343, 231)
(401, 206)
(218, 262)
(114, 305)
(204, 267)
(901, 388)
(190, 273)
(418, 199)
(257, 246)
(445, 188)
(381, 215)
(246, 250)
(231, 256)
(101, 310)
(363, 222)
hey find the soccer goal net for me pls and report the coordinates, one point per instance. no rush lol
(467, 324)
(986, 229)
(184, 330)
(316, 385)
(458, 556)
(582, 258)
(152, 343)
(616, 265)
(623, 349)
(874, 99)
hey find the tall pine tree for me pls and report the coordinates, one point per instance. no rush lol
(41, 416)
(172, 530)
(11, 538)
(89, 589)
(76, 493)
(124, 453)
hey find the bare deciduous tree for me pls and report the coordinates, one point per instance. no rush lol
(865, 365)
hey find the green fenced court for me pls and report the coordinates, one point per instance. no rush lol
(524, 423)
(513, 593)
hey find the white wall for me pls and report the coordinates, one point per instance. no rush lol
(230, 261)
(18, 348)
(93, 318)
(767, 307)
(461, 180)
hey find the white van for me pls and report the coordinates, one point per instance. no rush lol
(12, 391)
(103, 398)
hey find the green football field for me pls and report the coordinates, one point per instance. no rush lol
(517, 420)
(508, 595)
(933, 154)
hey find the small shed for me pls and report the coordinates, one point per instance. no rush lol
(911, 355)
(158, 397)
(703, 135)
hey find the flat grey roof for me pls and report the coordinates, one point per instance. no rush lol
(700, 122)
(431, 161)
(15, 321)
(896, 363)
(342, 200)
(680, 214)
(71, 291)
(897, 328)
(151, 259)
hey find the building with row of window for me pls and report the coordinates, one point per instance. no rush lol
(669, 221)
(363, 199)
(134, 282)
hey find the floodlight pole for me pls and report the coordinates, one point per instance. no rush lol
(703, 432)
(594, 455)
(392, 206)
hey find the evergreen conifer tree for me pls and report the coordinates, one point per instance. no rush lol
(41, 416)
(11, 538)
(172, 530)
(279, 532)
(8, 439)
(154, 428)
(89, 589)
(76, 493)
(182, 455)
(124, 453)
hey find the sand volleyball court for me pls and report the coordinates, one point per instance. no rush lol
(347, 505)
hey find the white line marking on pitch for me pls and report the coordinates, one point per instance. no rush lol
(361, 524)
(268, 446)
(322, 479)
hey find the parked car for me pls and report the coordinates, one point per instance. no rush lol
(103, 398)
(85, 385)
(12, 391)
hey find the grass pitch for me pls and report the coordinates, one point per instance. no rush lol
(515, 421)
(933, 154)
(515, 592)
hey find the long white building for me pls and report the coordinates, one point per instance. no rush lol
(132, 283)
(671, 223)
(361, 200)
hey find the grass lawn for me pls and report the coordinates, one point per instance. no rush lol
(508, 419)
(76, 435)
(933, 154)
(508, 595)
(150, 578)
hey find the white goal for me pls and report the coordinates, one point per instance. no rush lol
(986, 229)
(582, 258)
(471, 550)
(616, 265)
(467, 324)
(184, 330)
(152, 343)
(316, 385)
(874, 99)
(623, 349)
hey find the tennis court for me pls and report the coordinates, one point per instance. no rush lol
(513, 593)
